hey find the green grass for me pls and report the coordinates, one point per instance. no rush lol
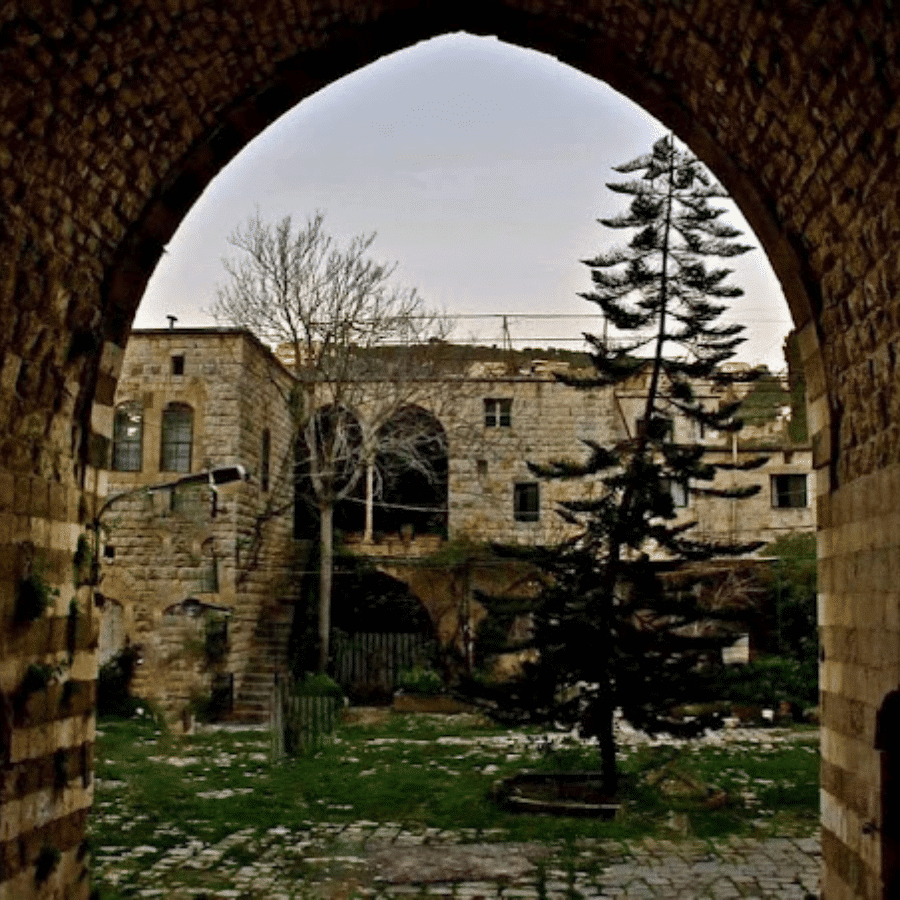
(157, 791)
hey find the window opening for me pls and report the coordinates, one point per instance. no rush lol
(178, 364)
(526, 501)
(789, 491)
(209, 572)
(177, 438)
(128, 437)
(662, 428)
(264, 454)
(497, 413)
(677, 490)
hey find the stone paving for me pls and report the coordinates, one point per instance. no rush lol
(378, 860)
(369, 860)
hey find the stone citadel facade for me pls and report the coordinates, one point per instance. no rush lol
(176, 568)
(114, 117)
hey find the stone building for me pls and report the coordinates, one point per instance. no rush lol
(116, 119)
(526, 415)
(203, 581)
(198, 578)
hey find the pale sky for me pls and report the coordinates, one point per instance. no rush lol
(482, 168)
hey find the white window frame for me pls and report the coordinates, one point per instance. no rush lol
(498, 412)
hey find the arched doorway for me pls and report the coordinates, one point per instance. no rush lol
(114, 124)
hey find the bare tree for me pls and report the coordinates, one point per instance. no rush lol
(362, 350)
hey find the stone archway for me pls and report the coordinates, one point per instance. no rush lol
(113, 118)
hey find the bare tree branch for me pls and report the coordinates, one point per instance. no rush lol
(364, 353)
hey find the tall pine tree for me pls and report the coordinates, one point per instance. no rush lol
(619, 624)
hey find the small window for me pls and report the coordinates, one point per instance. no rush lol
(178, 364)
(482, 467)
(789, 491)
(265, 452)
(497, 413)
(128, 437)
(678, 490)
(526, 501)
(177, 438)
(663, 429)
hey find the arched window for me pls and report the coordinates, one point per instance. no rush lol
(411, 473)
(177, 438)
(265, 452)
(128, 437)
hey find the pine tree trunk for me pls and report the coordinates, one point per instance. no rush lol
(606, 740)
(605, 724)
(326, 570)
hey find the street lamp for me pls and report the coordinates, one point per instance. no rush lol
(214, 478)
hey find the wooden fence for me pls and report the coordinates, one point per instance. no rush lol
(300, 722)
(367, 664)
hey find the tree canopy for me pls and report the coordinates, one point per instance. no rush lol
(620, 623)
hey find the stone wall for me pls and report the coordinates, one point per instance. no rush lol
(549, 421)
(162, 549)
(115, 116)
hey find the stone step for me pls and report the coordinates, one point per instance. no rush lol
(268, 656)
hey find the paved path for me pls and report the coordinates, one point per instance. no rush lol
(315, 860)
(384, 862)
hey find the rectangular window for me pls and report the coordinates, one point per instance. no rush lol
(128, 434)
(526, 501)
(789, 491)
(678, 491)
(265, 453)
(209, 582)
(192, 500)
(497, 413)
(177, 438)
(178, 364)
(663, 429)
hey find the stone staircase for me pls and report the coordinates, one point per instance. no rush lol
(268, 657)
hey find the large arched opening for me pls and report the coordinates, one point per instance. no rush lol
(114, 122)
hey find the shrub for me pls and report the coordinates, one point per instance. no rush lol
(317, 685)
(37, 677)
(114, 685)
(419, 680)
(791, 619)
(768, 682)
(33, 597)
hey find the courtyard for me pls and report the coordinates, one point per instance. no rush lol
(398, 806)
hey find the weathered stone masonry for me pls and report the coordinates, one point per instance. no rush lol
(164, 550)
(171, 567)
(114, 117)
(548, 421)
